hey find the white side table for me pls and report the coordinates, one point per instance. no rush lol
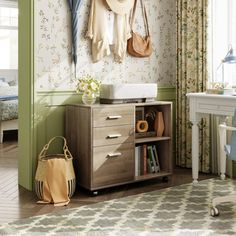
(202, 104)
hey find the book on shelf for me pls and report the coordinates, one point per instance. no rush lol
(138, 154)
(150, 168)
(151, 161)
(153, 155)
(152, 158)
(156, 158)
(144, 160)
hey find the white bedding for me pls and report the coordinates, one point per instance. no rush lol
(7, 91)
(8, 109)
(8, 101)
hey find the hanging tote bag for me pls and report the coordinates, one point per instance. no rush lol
(55, 178)
(137, 45)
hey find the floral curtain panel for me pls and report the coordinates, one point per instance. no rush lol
(191, 77)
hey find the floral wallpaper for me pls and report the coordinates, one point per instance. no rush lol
(54, 67)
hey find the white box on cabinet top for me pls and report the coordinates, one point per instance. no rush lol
(118, 93)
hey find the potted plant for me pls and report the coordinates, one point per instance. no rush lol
(89, 87)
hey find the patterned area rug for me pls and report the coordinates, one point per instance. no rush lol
(181, 210)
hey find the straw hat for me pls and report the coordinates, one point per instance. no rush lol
(120, 7)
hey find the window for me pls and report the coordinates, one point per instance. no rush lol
(8, 35)
(222, 36)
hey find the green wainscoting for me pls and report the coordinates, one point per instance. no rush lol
(50, 112)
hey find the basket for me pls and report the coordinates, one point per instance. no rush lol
(55, 175)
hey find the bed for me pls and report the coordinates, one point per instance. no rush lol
(8, 104)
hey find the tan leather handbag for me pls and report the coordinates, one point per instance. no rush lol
(137, 45)
(55, 177)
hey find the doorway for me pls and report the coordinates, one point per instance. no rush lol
(8, 102)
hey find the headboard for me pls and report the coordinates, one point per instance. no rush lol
(10, 76)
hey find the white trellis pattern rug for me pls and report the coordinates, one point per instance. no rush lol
(180, 211)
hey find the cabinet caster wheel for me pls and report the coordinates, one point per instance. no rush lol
(214, 211)
(165, 179)
(94, 193)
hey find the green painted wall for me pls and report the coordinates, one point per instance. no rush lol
(49, 115)
(26, 95)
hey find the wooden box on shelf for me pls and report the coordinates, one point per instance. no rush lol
(103, 142)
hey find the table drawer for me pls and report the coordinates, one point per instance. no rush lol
(217, 108)
(113, 135)
(113, 164)
(113, 116)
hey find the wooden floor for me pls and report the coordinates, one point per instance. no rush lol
(17, 202)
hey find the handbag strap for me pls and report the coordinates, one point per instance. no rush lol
(66, 151)
(144, 11)
(145, 17)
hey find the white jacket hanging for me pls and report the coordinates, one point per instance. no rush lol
(105, 29)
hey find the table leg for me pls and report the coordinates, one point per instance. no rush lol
(195, 151)
(222, 136)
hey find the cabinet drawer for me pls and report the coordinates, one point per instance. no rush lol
(112, 164)
(113, 135)
(113, 116)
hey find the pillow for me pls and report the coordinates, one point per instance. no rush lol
(12, 83)
(4, 84)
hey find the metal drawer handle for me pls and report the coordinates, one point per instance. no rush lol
(114, 154)
(113, 117)
(110, 136)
